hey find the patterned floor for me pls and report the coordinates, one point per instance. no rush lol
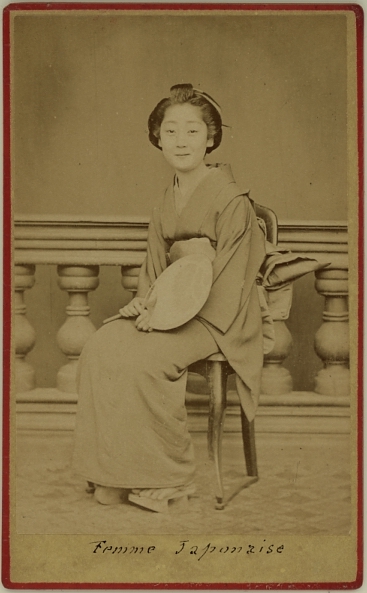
(304, 488)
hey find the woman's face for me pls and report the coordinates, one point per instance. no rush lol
(184, 137)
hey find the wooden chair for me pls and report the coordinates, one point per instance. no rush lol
(216, 369)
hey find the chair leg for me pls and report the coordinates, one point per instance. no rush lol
(249, 448)
(217, 379)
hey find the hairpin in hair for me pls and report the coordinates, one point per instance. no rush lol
(210, 100)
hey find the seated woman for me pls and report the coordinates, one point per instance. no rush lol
(131, 433)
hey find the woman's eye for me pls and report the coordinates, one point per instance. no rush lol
(193, 131)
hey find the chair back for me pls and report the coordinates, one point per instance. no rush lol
(271, 222)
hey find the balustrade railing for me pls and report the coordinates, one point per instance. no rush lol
(78, 247)
(24, 334)
(71, 337)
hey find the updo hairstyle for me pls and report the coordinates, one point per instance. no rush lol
(185, 93)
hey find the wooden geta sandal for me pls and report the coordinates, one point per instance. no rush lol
(176, 500)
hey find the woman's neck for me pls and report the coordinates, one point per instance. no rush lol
(188, 180)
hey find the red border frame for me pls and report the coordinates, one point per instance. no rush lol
(358, 11)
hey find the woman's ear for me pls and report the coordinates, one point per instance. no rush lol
(159, 142)
(210, 142)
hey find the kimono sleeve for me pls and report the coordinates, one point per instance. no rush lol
(155, 261)
(240, 252)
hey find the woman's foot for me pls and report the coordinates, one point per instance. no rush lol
(160, 499)
(108, 495)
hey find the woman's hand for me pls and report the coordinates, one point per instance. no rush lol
(133, 309)
(142, 322)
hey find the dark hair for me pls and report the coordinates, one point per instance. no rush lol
(185, 93)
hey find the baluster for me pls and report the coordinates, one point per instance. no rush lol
(129, 278)
(74, 333)
(24, 334)
(275, 379)
(332, 338)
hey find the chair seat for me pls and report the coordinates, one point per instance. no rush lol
(203, 367)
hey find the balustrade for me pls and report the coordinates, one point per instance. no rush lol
(79, 251)
(129, 278)
(332, 339)
(76, 330)
(275, 379)
(24, 334)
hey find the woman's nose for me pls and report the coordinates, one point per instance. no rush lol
(181, 139)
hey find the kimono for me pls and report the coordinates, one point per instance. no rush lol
(131, 429)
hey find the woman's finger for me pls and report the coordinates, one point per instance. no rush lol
(128, 311)
(142, 328)
(143, 316)
(146, 328)
(139, 307)
(132, 309)
(142, 323)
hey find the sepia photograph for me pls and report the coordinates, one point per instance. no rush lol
(183, 288)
